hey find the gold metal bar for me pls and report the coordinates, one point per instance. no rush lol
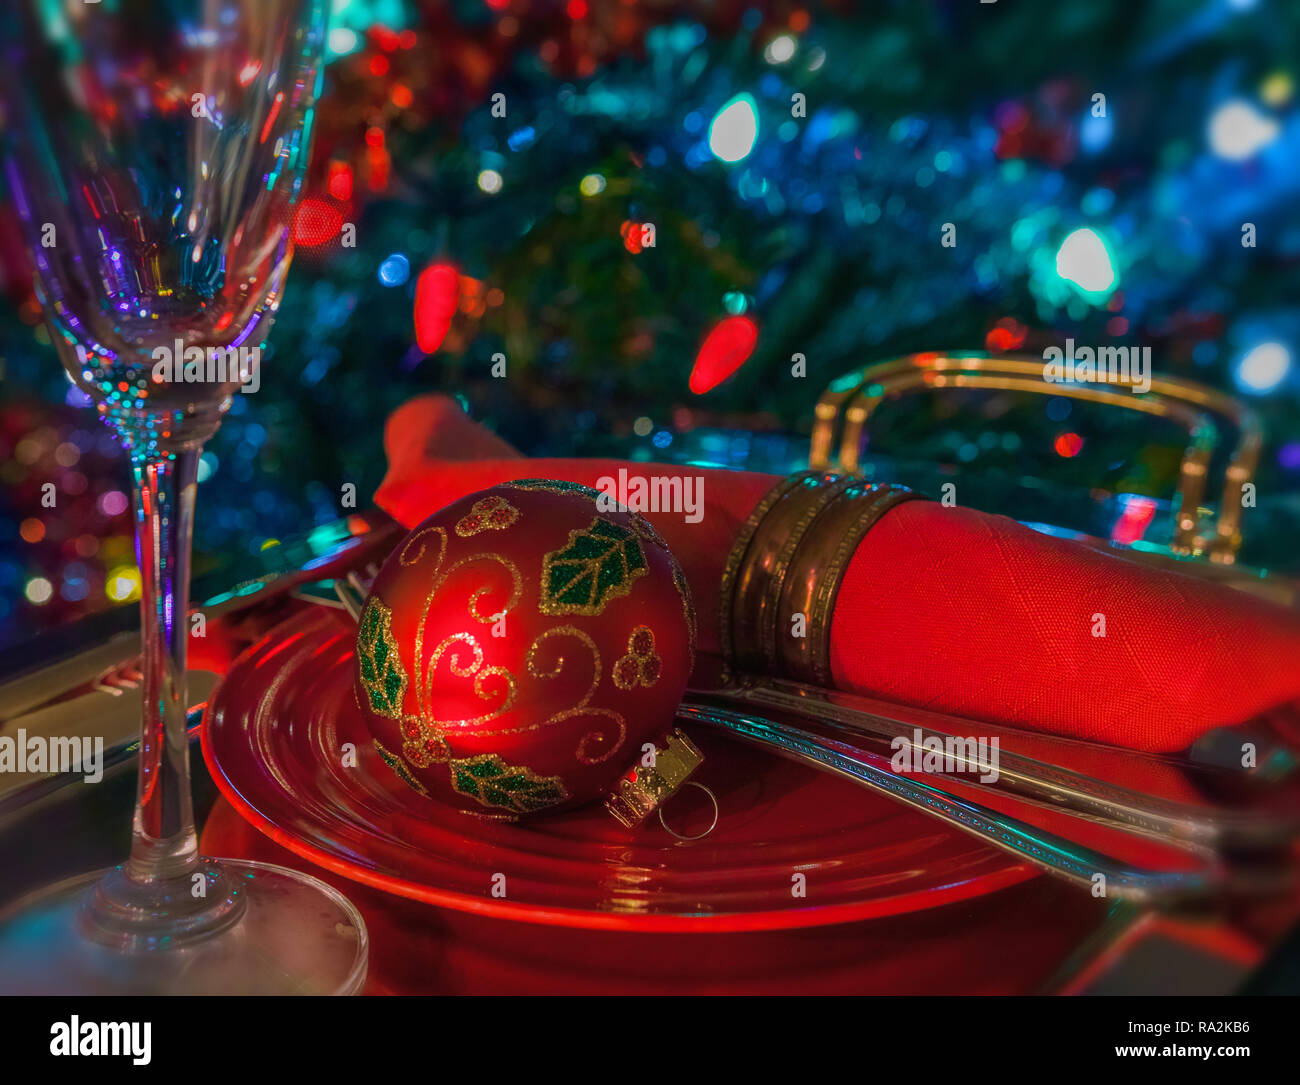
(855, 396)
(1193, 473)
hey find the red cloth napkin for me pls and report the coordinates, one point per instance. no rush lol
(944, 608)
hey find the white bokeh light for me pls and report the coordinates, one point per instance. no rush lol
(1238, 131)
(780, 49)
(1084, 260)
(1264, 367)
(734, 130)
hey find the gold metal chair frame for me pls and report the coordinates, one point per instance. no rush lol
(851, 400)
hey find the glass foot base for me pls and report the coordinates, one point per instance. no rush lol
(295, 936)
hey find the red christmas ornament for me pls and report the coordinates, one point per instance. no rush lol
(521, 645)
(725, 350)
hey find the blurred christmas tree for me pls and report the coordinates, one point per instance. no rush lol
(602, 182)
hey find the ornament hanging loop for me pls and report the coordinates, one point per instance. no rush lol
(712, 825)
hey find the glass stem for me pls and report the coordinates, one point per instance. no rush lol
(164, 845)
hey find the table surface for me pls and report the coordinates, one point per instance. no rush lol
(1043, 935)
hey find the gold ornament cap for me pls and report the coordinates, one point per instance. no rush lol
(644, 790)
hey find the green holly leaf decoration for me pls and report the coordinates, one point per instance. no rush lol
(400, 767)
(494, 783)
(381, 668)
(597, 564)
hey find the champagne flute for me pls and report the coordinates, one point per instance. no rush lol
(154, 150)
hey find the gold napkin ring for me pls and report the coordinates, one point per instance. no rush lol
(758, 578)
(786, 566)
(817, 570)
(782, 540)
(731, 569)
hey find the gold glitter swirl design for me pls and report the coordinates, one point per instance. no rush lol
(516, 587)
(642, 665)
(424, 738)
(404, 556)
(583, 708)
(492, 513)
(476, 670)
(423, 680)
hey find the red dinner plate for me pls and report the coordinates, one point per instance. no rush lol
(276, 741)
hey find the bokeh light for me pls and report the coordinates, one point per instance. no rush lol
(113, 503)
(734, 130)
(1263, 367)
(123, 584)
(1239, 131)
(1068, 445)
(395, 270)
(1085, 260)
(780, 49)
